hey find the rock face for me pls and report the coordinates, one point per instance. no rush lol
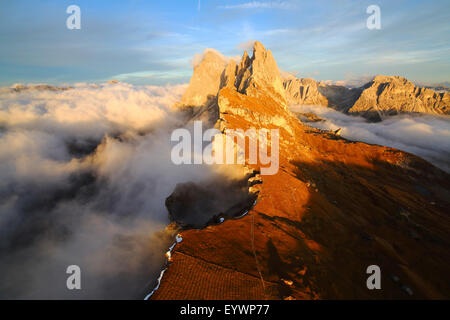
(304, 91)
(205, 82)
(384, 96)
(310, 92)
(334, 208)
(253, 75)
(339, 97)
(260, 74)
(195, 206)
(393, 95)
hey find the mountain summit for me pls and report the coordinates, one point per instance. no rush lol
(388, 95)
(260, 74)
(250, 77)
(383, 96)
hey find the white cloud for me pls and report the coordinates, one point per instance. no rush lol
(353, 80)
(198, 57)
(89, 110)
(423, 135)
(246, 45)
(260, 5)
(84, 174)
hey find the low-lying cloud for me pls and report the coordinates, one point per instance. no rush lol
(84, 174)
(424, 135)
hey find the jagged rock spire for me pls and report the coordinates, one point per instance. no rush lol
(261, 74)
(205, 81)
(255, 76)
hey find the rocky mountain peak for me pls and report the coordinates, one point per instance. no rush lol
(251, 76)
(382, 78)
(381, 97)
(390, 95)
(264, 74)
(259, 76)
(205, 81)
(304, 91)
(245, 61)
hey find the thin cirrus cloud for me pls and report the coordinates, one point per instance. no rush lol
(259, 5)
(153, 42)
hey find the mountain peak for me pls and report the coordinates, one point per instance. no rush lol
(391, 79)
(265, 74)
(205, 81)
(254, 76)
(391, 95)
(212, 56)
(258, 48)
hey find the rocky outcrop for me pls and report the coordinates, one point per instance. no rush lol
(205, 81)
(310, 92)
(304, 91)
(260, 74)
(339, 97)
(251, 77)
(390, 95)
(383, 96)
(193, 205)
(199, 101)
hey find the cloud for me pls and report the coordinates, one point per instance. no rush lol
(246, 45)
(260, 5)
(288, 75)
(198, 57)
(130, 41)
(84, 174)
(353, 80)
(423, 135)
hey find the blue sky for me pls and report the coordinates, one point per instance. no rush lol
(152, 42)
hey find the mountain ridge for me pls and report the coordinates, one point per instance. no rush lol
(334, 208)
(377, 99)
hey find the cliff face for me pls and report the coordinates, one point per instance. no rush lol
(261, 74)
(334, 208)
(304, 91)
(384, 96)
(251, 77)
(339, 97)
(393, 95)
(205, 82)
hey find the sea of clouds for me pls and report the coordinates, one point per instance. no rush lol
(427, 136)
(84, 174)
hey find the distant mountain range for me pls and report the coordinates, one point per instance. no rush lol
(383, 96)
